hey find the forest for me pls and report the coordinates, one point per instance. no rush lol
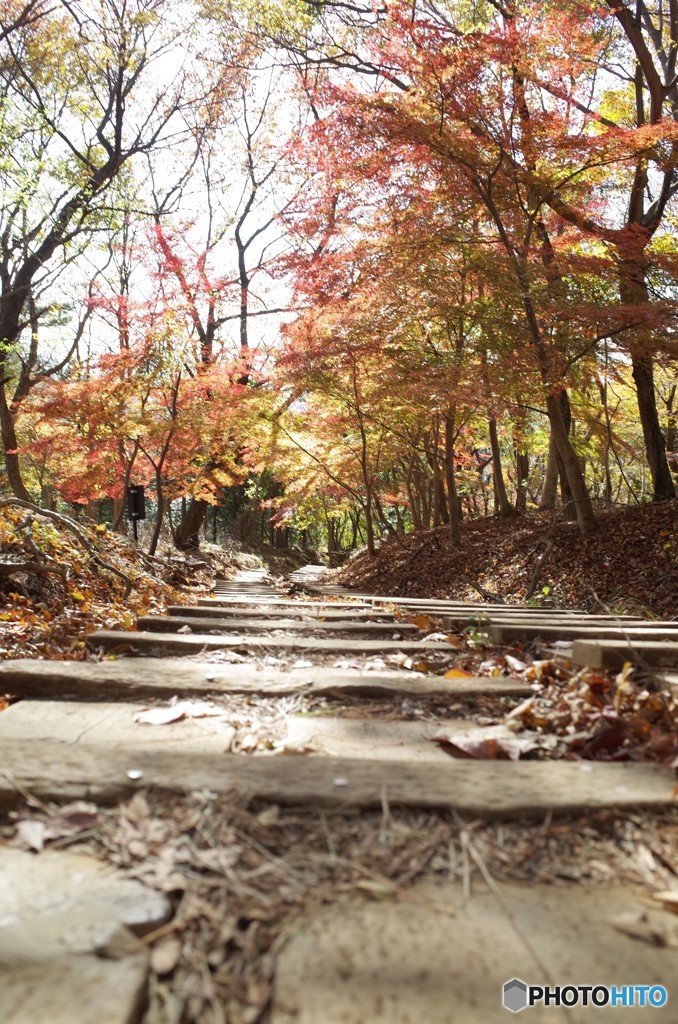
(324, 273)
(338, 518)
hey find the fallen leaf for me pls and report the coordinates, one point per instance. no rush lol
(378, 889)
(31, 833)
(71, 819)
(653, 926)
(515, 663)
(176, 712)
(492, 743)
(165, 954)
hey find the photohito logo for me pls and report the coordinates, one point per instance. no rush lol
(518, 994)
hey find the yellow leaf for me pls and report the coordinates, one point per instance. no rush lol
(78, 595)
(457, 673)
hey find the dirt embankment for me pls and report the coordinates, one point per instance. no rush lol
(630, 564)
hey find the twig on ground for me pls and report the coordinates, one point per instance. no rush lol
(417, 551)
(487, 595)
(549, 545)
(129, 582)
(548, 540)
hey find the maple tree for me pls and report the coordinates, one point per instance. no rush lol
(457, 120)
(155, 410)
(72, 119)
(468, 206)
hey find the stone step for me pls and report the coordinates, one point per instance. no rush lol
(51, 770)
(129, 678)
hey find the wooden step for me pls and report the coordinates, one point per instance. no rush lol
(297, 611)
(51, 770)
(613, 654)
(507, 632)
(114, 726)
(189, 643)
(440, 952)
(562, 618)
(283, 602)
(129, 678)
(111, 726)
(170, 623)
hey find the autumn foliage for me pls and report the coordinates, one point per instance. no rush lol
(467, 210)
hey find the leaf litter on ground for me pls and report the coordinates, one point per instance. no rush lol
(241, 878)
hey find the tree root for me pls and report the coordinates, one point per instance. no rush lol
(79, 534)
(9, 568)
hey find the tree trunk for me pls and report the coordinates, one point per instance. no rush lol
(572, 473)
(633, 291)
(453, 498)
(655, 445)
(47, 498)
(522, 470)
(502, 504)
(440, 513)
(671, 422)
(369, 525)
(569, 508)
(549, 488)
(9, 444)
(159, 516)
(119, 524)
(188, 530)
(411, 499)
(330, 540)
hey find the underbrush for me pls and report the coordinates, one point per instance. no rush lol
(61, 579)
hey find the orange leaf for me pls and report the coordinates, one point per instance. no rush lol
(458, 673)
(422, 621)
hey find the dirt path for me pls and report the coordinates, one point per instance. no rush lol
(293, 841)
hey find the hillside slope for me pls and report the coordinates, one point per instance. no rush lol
(630, 564)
